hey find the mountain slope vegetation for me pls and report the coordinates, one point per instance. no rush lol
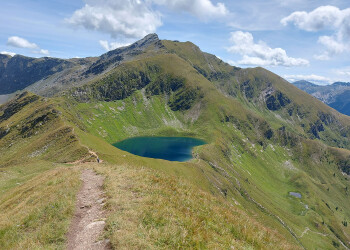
(265, 138)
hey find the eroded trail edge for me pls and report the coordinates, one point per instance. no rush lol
(88, 221)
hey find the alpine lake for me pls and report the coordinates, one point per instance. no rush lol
(167, 148)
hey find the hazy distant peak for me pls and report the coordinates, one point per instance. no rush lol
(341, 84)
(304, 82)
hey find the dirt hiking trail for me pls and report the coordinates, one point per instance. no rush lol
(88, 221)
(86, 158)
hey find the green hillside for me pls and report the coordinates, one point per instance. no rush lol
(265, 138)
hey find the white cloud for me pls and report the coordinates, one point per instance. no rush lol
(136, 18)
(260, 53)
(322, 19)
(344, 72)
(7, 53)
(312, 77)
(111, 46)
(20, 42)
(231, 62)
(322, 57)
(129, 18)
(333, 46)
(202, 9)
(42, 51)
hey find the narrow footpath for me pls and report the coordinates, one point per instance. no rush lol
(88, 221)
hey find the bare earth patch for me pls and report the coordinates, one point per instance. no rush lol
(88, 222)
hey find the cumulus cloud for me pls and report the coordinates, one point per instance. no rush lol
(318, 19)
(136, 18)
(322, 19)
(333, 45)
(44, 52)
(20, 42)
(111, 46)
(344, 72)
(8, 53)
(312, 77)
(129, 18)
(202, 9)
(260, 53)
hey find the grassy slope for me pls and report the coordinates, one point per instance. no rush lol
(149, 209)
(247, 86)
(35, 214)
(131, 116)
(310, 107)
(255, 178)
(37, 194)
(235, 165)
(32, 128)
(40, 196)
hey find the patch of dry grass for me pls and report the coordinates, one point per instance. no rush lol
(150, 210)
(36, 214)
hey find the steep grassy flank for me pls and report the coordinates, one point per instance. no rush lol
(293, 107)
(263, 178)
(31, 127)
(36, 214)
(195, 100)
(135, 115)
(256, 153)
(151, 210)
(206, 64)
(274, 99)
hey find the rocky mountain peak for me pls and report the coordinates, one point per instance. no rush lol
(147, 40)
(345, 84)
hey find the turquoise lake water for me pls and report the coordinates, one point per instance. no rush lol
(167, 148)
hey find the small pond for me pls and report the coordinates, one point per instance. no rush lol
(295, 194)
(167, 148)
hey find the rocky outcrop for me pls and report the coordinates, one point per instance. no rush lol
(115, 57)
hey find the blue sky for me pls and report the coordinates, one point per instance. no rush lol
(297, 39)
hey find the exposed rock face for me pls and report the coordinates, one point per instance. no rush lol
(276, 101)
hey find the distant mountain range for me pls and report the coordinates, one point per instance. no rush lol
(336, 95)
(47, 76)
